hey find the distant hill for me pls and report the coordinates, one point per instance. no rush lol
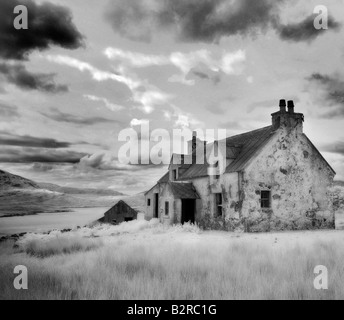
(69, 190)
(11, 181)
(21, 196)
(338, 183)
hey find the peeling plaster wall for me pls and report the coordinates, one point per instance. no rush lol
(151, 195)
(299, 181)
(166, 195)
(228, 186)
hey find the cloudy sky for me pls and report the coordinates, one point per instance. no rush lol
(85, 70)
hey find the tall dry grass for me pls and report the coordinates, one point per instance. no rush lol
(154, 265)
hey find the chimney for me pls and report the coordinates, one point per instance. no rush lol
(290, 106)
(194, 141)
(282, 105)
(289, 120)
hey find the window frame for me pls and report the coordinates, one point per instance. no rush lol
(167, 208)
(218, 204)
(265, 199)
(174, 174)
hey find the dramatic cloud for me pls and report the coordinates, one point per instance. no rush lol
(107, 103)
(330, 90)
(18, 75)
(193, 20)
(59, 116)
(201, 63)
(48, 25)
(304, 30)
(206, 20)
(144, 94)
(29, 155)
(8, 111)
(7, 139)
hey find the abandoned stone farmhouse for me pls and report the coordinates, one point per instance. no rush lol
(275, 179)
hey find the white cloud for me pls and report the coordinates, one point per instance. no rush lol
(107, 103)
(137, 122)
(144, 94)
(229, 62)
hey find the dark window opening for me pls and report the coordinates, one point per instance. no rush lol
(148, 202)
(114, 221)
(218, 204)
(174, 175)
(167, 208)
(265, 199)
(156, 206)
(217, 176)
(128, 219)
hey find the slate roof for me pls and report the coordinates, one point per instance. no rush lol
(164, 178)
(240, 148)
(182, 190)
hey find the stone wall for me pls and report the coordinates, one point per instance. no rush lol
(299, 181)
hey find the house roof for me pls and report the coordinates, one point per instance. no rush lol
(240, 148)
(252, 142)
(182, 190)
(164, 178)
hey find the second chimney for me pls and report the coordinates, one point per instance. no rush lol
(290, 106)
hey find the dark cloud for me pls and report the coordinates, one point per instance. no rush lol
(29, 155)
(331, 93)
(8, 111)
(7, 139)
(194, 20)
(18, 75)
(337, 147)
(48, 25)
(59, 116)
(206, 20)
(304, 30)
(212, 76)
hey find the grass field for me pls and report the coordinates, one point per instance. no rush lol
(145, 260)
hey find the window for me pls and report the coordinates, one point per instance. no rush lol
(265, 199)
(148, 202)
(167, 208)
(218, 204)
(217, 176)
(128, 219)
(174, 175)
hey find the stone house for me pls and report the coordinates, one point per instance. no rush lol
(275, 179)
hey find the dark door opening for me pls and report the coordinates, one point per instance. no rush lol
(188, 211)
(156, 204)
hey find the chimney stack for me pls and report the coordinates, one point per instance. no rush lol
(290, 106)
(282, 105)
(194, 141)
(287, 119)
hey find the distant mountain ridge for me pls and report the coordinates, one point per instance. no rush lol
(12, 181)
(338, 183)
(70, 190)
(21, 196)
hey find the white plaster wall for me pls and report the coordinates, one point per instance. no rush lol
(299, 181)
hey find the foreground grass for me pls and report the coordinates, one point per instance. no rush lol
(159, 264)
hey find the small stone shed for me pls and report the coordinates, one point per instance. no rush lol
(119, 213)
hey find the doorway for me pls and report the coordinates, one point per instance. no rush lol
(188, 210)
(156, 205)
